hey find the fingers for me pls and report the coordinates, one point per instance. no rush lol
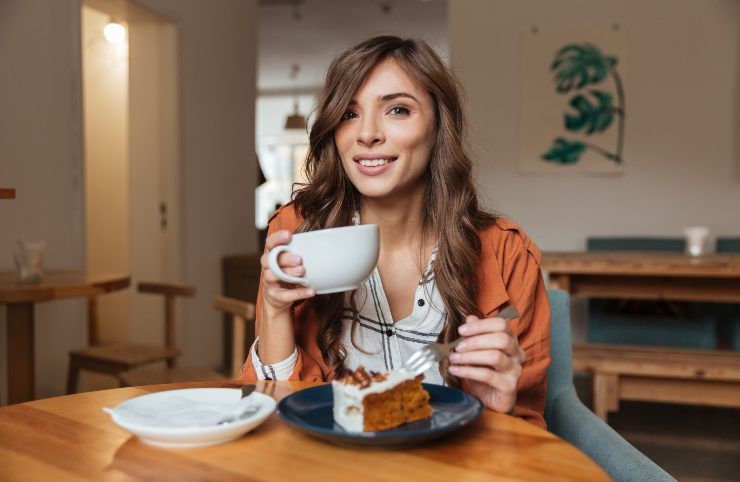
(476, 326)
(277, 238)
(495, 359)
(294, 271)
(490, 377)
(285, 260)
(491, 341)
(277, 293)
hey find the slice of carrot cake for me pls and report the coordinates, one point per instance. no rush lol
(371, 401)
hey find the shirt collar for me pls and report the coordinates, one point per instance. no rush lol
(491, 288)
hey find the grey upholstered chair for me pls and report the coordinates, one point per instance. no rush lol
(570, 420)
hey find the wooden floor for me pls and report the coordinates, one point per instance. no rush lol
(691, 443)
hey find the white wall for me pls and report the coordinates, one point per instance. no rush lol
(41, 145)
(683, 118)
(41, 156)
(218, 46)
(682, 146)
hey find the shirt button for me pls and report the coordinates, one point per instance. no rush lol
(420, 302)
(389, 332)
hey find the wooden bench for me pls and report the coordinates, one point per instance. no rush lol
(658, 374)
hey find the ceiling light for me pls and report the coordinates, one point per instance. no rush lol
(115, 32)
(296, 120)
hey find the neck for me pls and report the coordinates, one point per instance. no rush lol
(400, 221)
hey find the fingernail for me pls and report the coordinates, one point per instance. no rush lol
(310, 292)
(294, 258)
(454, 357)
(464, 329)
(460, 347)
(454, 370)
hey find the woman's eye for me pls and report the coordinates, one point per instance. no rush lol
(400, 110)
(348, 115)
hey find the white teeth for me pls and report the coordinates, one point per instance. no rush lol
(374, 162)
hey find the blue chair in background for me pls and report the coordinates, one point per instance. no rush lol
(693, 329)
(728, 324)
(570, 420)
(636, 244)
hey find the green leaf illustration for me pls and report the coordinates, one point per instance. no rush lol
(576, 66)
(594, 116)
(564, 152)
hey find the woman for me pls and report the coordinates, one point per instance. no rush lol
(387, 148)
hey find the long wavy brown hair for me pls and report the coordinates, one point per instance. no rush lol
(328, 198)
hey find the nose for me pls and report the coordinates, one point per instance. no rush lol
(371, 132)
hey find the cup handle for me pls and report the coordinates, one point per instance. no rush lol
(272, 261)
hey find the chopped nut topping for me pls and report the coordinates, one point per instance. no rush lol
(362, 378)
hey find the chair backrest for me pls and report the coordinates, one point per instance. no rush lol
(560, 372)
(569, 419)
(728, 245)
(241, 313)
(635, 244)
(170, 291)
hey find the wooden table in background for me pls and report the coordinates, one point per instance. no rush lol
(646, 275)
(20, 299)
(645, 373)
(71, 438)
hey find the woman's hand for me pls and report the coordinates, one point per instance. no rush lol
(277, 295)
(489, 361)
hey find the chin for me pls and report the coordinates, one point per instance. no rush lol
(374, 192)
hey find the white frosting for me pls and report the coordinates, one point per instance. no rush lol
(348, 399)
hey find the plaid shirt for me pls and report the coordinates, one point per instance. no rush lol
(384, 344)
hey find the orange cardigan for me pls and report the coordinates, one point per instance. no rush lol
(509, 274)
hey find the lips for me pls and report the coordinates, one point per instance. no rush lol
(373, 163)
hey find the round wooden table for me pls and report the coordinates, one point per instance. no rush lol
(20, 299)
(72, 438)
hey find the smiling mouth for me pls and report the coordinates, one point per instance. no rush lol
(374, 162)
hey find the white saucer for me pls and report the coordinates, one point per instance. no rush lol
(188, 437)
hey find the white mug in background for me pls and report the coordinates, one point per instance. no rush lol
(697, 238)
(29, 261)
(334, 259)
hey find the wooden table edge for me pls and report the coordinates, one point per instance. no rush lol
(37, 293)
(514, 426)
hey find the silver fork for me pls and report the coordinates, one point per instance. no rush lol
(424, 358)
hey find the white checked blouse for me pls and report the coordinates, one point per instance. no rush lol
(384, 343)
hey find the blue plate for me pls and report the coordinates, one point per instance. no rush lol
(311, 410)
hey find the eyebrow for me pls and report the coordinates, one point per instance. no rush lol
(386, 97)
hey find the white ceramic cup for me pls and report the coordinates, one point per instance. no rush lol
(334, 259)
(696, 240)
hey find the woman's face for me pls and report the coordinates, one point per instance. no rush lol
(385, 136)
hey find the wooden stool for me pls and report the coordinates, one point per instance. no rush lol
(116, 358)
(240, 312)
(646, 373)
